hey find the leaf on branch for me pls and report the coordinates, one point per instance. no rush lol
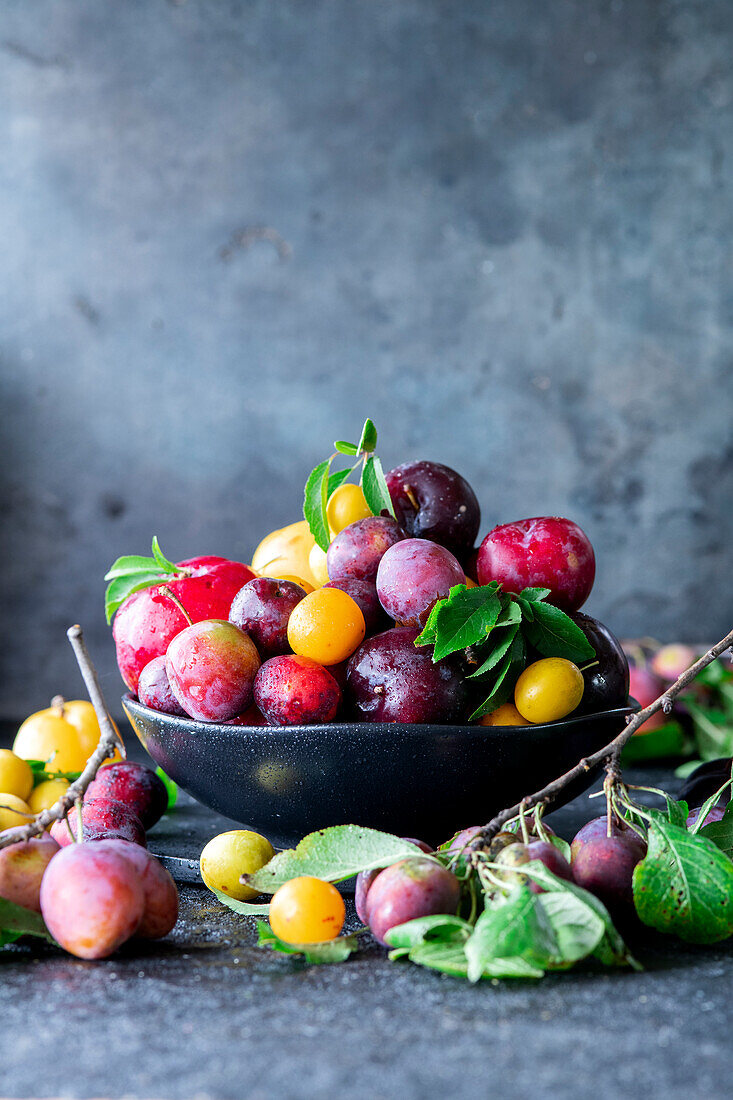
(314, 503)
(684, 885)
(464, 618)
(133, 572)
(345, 448)
(374, 487)
(16, 921)
(555, 634)
(244, 908)
(496, 654)
(368, 439)
(333, 854)
(332, 951)
(721, 832)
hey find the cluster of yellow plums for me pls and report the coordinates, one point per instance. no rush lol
(62, 737)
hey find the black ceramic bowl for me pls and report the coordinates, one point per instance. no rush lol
(423, 781)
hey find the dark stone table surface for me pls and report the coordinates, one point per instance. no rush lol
(206, 1013)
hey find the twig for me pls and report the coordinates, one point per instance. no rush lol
(108, 739)
(610, 754)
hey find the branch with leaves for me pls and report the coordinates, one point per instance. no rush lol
(109, 740)
(322, 483)
(608, 755)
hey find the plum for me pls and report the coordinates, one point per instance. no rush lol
(543, 552)
(212, 667)
(412, 576)
(552, 858)
(134, 784)
(92, 900)
(22, 867)
(715, 813)
(645, 687)
(296, 691)
(432, 501)
(160, 892)
(365, 879)
(357, 550)
(148, 620)
(364, 594)
(414, 887)
(262, 608)
(670, 661)
(154, 689)
(102, 819)
(607, 677)
(390, 680)
(605, 866)
(598, 826)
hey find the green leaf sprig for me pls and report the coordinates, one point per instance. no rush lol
(132, 572)
(322, 483)
(496, 627)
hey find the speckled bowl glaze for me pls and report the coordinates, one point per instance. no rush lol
(424, 781)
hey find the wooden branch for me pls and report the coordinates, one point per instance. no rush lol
(610, 754)
(108, 740)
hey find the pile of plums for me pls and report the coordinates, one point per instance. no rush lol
(97, 893)
(287, 650)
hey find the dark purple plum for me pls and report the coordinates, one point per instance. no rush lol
(605, 866)
(357, 550)
(365, 879)
(412, 576)
(414, 887)
(607, 682)
(262, 608)
(390, 680)
(154, 689)
(553, 860)
(599, 827)
(432, 501)
(715, 813)
(136, 785)
(296, 691)
(364, 594)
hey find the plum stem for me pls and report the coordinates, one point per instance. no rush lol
(174, 599)
(609, 755)
(109, 739)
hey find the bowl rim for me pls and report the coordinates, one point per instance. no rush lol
(405, 729)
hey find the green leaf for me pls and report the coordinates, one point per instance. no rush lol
(314, 503)
(577, 928)
(706, 807)
(562, 845)
(465, 617)
(374, 487)
(170, 786)
(511, 614)
(556, 635)
(368, 441)
(674, 811)
(535, 595)
(345, 448)
(121, 587)
(334, 480)
(713, 732)
(687, 768)
(40, 774)
(333, 854)
(430, 630)
(441, 926)
(515, 927)
(166, 565)
(684, 885)
(244, 908)
(611, 949)
(131, 564)
(721, 832)
(507, 674)
(496, 654)
(17, 921)
(332, 951)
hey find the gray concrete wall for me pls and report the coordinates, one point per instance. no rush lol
(504, 232)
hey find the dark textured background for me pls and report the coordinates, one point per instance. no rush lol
(505, 233)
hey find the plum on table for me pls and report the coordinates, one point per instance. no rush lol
(136, 785)
(414, 887)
